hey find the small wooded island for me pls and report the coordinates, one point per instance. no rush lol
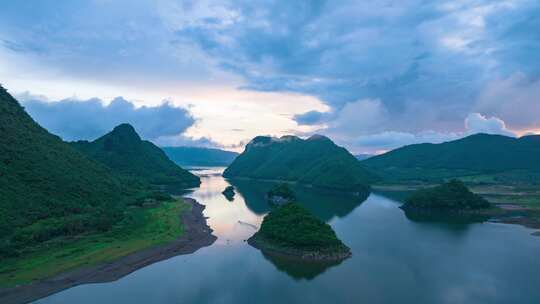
(280, 194)
(229, 193)
(291, 230)
(452, 196)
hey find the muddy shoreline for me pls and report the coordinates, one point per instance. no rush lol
(297, 254)
(197, 234)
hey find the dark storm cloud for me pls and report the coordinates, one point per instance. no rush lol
(89, 119)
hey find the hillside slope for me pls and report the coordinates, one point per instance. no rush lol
(479, 154)
(123, 151)
(47, 188)
(316, 161)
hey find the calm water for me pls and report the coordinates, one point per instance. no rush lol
(395, 260)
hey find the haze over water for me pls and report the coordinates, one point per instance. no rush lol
(395, 260)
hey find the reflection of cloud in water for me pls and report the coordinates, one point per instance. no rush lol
(223, 216)
(298, 269)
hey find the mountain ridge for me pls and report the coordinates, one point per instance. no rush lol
(472, 155)
(123, 150)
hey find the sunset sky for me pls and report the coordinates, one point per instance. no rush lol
(371, 75)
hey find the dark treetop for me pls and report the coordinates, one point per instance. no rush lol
(123, 151)
(316, 161)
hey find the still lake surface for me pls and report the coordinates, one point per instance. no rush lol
(395, 259)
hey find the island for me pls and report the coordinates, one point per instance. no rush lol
(229, 193)
(452, 196)
(292, 231)
(280, 194)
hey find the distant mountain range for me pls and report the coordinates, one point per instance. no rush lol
(47, 188)
(363, 156)
(195, 156)
(479, 157)
(315, 161)
(123, 151)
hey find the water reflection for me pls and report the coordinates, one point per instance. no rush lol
(228, 197)
(298, 269)
(451, 219)
(395, 260)
(324, 204)
(445, 217)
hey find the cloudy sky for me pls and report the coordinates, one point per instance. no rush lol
(372, 75)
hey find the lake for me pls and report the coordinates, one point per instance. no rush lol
(395, 259)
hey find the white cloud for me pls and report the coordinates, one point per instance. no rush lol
(478, 123)
(377, 142)
(367, 115)
(515, 98)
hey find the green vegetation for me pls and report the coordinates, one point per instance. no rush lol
(141, 228)
(195, 156)
(451, 196)
(229, 193)
(48, 189)
(123, 151)
(315, 161)
(479, 158)
(281, 193)
(291, 226)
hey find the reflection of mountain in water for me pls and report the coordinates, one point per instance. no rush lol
(325, 204)
(428, 216)
(298, 269)
(398, 196)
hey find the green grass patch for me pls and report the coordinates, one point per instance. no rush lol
(142, 228)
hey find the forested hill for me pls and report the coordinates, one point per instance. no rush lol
(195, 156)
(123, 151)
(47, 188)
(479, 154)
(316, 161)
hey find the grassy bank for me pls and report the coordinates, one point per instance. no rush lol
(512, 194)
(142, 228)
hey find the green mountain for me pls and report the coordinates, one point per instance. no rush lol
(47, 188)
(479, 157)
(195, 156)
(123, 151)
(315, 161)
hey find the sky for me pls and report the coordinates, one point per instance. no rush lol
(371, 75)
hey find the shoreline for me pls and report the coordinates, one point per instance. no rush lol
(297, 254)
(513, 215)
(197, 234)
